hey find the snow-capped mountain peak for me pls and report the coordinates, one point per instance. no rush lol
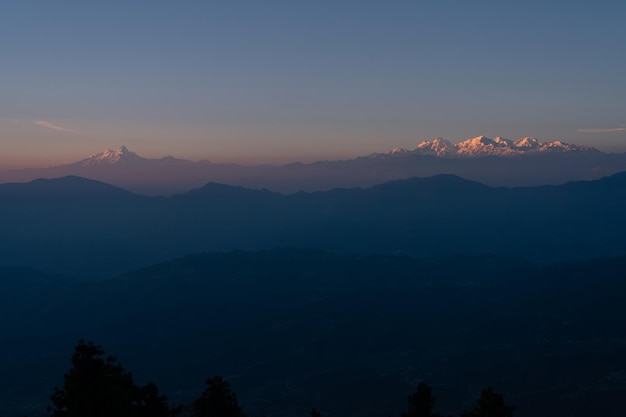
(502, 141)
(438, 147)
(527, 143)
(396, 151)
(558, 146)
(484, 146)
(110, 157)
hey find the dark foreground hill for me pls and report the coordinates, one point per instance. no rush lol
(348, 334)
(90, 229)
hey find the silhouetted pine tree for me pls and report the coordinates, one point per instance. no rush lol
(490, 404)
(152, 404)
(315, 413)
(421, 402)
(98, 387)
(217, 400)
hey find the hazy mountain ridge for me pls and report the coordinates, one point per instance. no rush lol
(496, 162)
(70, 224)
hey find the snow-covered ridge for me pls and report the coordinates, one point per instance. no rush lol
(440, 147)
(111, 157)
(484, 146)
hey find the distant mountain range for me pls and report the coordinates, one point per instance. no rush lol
(92, 229)
(495, 162)
(481, 146)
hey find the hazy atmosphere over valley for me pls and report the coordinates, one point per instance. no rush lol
(283, 209)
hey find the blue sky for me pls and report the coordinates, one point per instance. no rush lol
(276, 81)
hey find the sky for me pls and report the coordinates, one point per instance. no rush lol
(280, 81)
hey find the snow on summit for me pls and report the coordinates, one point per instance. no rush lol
(470, 148)
(484, 146)
(438, 147)
(527, 143)
(111, 157)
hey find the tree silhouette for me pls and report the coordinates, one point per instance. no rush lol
(490, 404)
(315, 413)
(421, 402)
(217, 400)
(98, 387)
(152, 404)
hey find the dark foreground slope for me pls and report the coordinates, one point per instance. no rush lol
(348, 334)
(91, 229)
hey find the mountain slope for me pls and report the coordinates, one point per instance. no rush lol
(63, 187)
(78, 226)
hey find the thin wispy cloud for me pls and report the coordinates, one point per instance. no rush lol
(602, 130)
(53, 126)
